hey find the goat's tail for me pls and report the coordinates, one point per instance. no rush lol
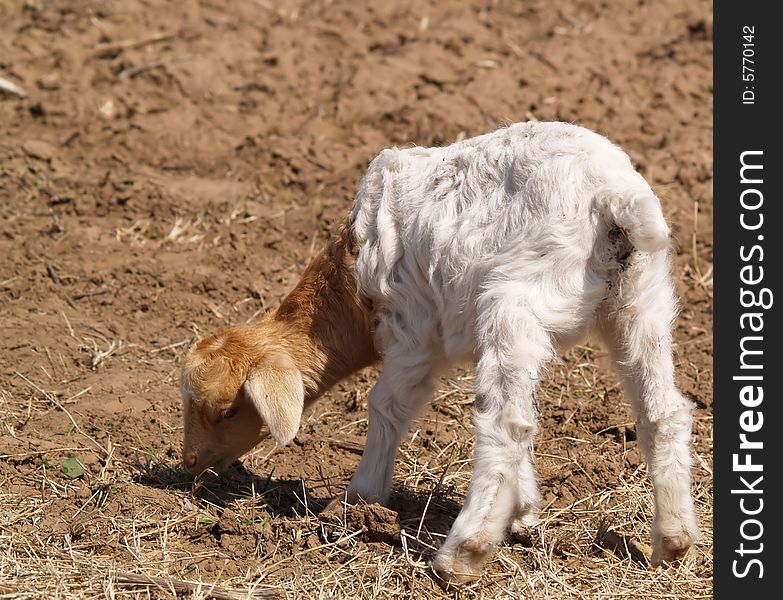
(637, 210)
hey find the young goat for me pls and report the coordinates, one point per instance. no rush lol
(501, 250)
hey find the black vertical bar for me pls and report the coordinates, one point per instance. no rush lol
(748, 48)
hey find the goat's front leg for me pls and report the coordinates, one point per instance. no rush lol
(403, 388)
(503, 488)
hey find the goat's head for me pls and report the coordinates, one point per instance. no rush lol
(237, 388)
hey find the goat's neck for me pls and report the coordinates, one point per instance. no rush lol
(331, 321)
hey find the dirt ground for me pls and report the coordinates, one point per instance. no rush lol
(170, 171)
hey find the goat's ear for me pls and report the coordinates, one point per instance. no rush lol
(277, 393)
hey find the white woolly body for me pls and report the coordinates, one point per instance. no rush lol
(500, 249)
(524, 208)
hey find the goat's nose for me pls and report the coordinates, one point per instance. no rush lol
(190, 459)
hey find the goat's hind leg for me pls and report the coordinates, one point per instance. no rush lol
(636, 326)
(503, 485)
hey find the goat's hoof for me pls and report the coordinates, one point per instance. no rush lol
(671, 548)
(465, 564)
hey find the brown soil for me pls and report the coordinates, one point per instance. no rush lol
(169, 173)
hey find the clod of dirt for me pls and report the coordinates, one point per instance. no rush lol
(229, 522)
(38, 149)
(378, 523)
(50, 82)
(621, 545)
(633, 457)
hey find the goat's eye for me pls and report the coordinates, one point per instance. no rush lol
(228, 413)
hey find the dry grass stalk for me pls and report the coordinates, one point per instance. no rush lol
(114, 48)
(9, 87)
(179, 586)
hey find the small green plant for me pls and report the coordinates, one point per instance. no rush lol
(73, 468)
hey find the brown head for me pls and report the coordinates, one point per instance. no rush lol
(238, 387)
